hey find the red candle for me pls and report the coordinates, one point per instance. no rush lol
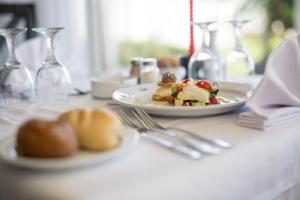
(192, 45)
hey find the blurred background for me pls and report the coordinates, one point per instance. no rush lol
(105, 34)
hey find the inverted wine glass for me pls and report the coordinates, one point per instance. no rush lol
(16, 84)
(239, 62)
(204, 64)
(52, 82)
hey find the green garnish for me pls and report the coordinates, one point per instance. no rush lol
(174, 92)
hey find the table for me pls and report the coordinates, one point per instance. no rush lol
(262, 165)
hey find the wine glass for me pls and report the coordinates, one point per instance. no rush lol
(204, 64)
(52, 82)
(16, 84)
(213, 34)
(239, 62)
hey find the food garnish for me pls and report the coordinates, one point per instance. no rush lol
(168, 77)
(188, 92)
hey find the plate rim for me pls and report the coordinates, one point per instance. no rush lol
(31, 163)
(181, 108)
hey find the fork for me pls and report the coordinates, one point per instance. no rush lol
(154, 124)
(190, 141)
(175, 147)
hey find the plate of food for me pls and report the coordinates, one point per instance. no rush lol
(78, 138)
(187, 98)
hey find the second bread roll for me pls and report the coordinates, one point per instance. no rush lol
(96, 129)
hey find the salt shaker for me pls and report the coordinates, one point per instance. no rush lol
(150, 71)
(136, 67)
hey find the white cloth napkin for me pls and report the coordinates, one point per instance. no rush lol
(277, 98)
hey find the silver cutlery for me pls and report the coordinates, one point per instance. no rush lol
(8, 119)
(154, 124)
(186, 139)
(169, 144)
(79, 92)
(112, 103)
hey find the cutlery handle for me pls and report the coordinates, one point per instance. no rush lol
(201, 146)
(217, 142)
(189, 140)
(178, 148)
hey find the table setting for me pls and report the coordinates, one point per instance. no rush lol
(151, 132)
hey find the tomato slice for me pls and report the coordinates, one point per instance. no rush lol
(213, 100)
(205, 85)
(185, 81)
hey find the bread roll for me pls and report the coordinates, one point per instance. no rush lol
(96, 129)
(38, 138)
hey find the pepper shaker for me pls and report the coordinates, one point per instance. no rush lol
(136, 67)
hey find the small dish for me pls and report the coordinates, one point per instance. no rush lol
(103, 87)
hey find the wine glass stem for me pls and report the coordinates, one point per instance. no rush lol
(238, 44)
(203, 35)
(50, 58)
(11, 59)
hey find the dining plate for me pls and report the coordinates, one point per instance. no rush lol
(8, 154)
(235, 96)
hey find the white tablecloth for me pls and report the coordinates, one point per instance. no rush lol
(262, 165)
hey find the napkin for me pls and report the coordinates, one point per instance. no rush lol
(276, 100)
